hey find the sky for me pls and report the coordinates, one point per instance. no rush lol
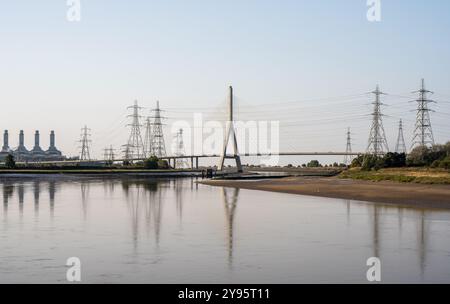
(307, 64)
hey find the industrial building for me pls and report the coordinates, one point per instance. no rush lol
(22, 154)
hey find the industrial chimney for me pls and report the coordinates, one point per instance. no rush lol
(5, 147)
(36, 140)
(52, 140)
(52, 151)
(21, 139)
(37, 151)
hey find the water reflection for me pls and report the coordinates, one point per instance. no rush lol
(150, 205)
(36, 194)
(230, 199)
(8, 192)
(84, 187)
(423, 237)
(375, 231)
(21, 194)
(376, 215)
(144, 199)
(51, 194)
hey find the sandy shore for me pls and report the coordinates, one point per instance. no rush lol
(414, 195)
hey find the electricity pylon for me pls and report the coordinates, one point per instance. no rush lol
(148, 138)
(230, 132)
(423, 133)
(106, 154)
(400, 147)
(348, 150)
(179, 151)
(126, 154)
(135, 144)
(377, 138)
(109, 155)
(158, 146)
(85, 144)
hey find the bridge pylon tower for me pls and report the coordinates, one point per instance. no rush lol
(230, 132)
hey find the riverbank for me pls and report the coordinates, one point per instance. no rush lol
(402, 175)
(386, 192)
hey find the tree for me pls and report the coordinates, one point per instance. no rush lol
(371, 162)
(357, 162)
(163, 164)
(394, 160)
(416, 157)
(314, 164)
(445, 163)
(151, 163)
(424, 156)
(10, 162)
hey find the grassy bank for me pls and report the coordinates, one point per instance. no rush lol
(402, 175)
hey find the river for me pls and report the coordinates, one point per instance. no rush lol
(140, 230)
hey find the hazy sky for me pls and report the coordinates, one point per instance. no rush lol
(62, 75)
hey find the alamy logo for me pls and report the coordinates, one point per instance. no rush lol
(374, 272)
(74, 11)
(374, 12)
(73, 274)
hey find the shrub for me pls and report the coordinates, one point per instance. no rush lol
(357, 162)
(394, 160)
(163, 164)
(445, 163)
(313, 164)
(425, 156)
(151, 163)
(10, 163)
(369, 162)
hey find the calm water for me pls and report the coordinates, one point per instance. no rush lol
(175, 231)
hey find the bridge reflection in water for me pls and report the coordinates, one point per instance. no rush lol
(164, 216)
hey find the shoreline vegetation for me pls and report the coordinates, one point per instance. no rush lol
(401, 175)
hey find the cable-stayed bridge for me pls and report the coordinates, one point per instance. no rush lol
(319, 120)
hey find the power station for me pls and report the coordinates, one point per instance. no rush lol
(22, 154)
